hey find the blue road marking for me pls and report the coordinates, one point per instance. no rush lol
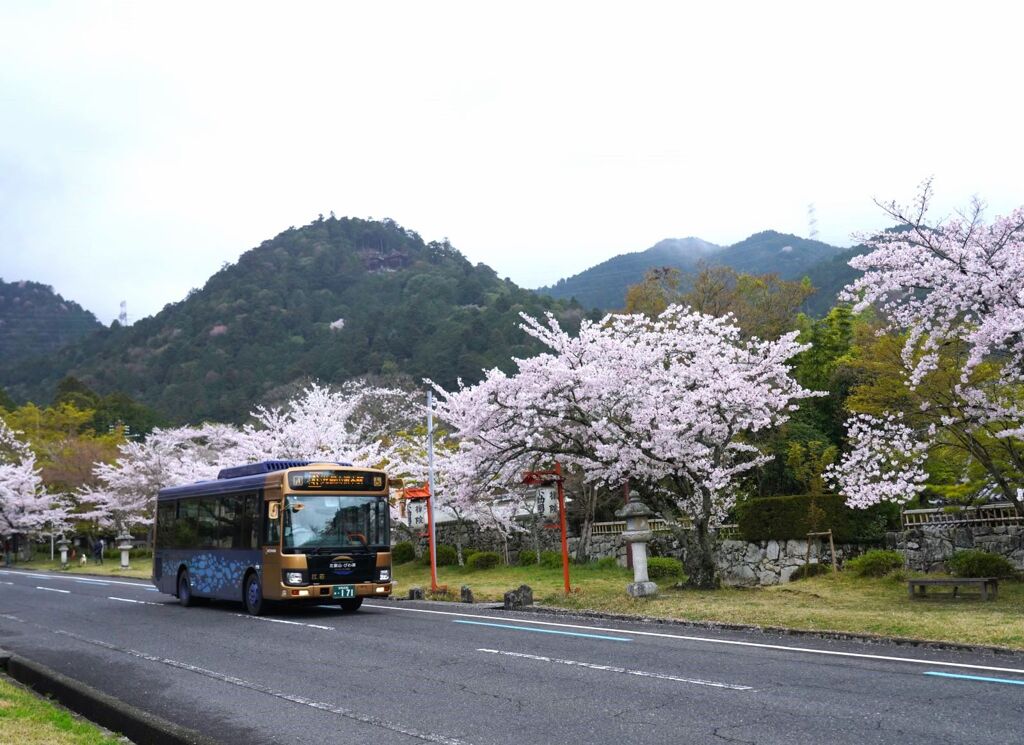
(982, 678)
(547, 631)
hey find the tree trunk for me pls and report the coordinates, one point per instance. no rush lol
(700, 557)
(589, 508)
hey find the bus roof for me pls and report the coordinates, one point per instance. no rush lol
(240, 478)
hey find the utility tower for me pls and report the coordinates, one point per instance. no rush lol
(812, 222)
(122, 317)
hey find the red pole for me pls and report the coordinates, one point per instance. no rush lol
(561, 517)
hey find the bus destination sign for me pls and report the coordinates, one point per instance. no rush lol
(350, 481)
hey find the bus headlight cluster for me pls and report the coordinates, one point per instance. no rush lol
(293, 578)
(385, 575)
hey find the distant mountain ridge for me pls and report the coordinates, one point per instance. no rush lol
(332, 300)
(35, 321)
(604, 285)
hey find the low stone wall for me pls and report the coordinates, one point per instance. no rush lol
(927, 548)
(749, 564)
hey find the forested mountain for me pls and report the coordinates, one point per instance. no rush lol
(604, 286)
(334, 299)
(35, 321)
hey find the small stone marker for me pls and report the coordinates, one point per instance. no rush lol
(518, 598)
(415, 593)
(467, 594)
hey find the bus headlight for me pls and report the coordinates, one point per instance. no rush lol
(385, 575)
(293, 578)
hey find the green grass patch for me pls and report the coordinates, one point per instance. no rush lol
(140, 568)
(27, 719)
(828, 602)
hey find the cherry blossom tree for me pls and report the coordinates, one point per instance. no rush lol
(347, 425)
(884, 463)
(666, 402)
(955, 290)
(26, 509)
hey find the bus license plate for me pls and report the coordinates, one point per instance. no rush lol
(344, 591)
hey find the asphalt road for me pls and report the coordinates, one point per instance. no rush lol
(404, 672)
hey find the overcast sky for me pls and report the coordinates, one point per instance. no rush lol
(143, 145)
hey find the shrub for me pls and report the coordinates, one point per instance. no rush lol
(664, 567)
(402, 552)
(875, 563)
(467, 554)
(608, 562)
(446, 556)
(483, 560)
(527, 558)
(976, 563)
(810, 570)
(551, 559)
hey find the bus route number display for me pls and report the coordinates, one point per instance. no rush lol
(336, 481)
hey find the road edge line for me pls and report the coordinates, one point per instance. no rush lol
(96, 706)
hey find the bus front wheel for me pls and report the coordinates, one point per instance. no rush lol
(185, 596)
(253, 595)
(350, 604)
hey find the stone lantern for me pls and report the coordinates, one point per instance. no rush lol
(63, 544)
(636, 535)
(124, 543)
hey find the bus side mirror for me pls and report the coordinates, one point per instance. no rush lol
(273, 510)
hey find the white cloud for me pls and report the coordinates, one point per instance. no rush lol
(144, 145)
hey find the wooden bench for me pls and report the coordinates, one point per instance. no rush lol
(989, 586)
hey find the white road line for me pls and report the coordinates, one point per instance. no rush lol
(623, 670)
(53, 589)
(6, 583)
(78, 579)
(281, 620)
(728, 642)
(92, 582)
(129, 600)
(11, 618)
(321, 706)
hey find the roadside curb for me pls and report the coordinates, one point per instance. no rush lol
(96, 706)
(899, 641)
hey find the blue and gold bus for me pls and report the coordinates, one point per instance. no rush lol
(276, 531)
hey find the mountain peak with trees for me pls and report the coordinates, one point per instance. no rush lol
(333, 300)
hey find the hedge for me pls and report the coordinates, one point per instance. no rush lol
(788, 517)
(664, 567)
(483, 560)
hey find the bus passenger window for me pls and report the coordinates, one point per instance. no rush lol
(272, 525)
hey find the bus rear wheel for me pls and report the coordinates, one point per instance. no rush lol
(185, 596)
(350, 604)
(252, 596)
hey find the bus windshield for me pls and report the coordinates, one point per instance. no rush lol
(313, 522)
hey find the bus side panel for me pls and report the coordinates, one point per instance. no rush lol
(212, 573)
(219, 574)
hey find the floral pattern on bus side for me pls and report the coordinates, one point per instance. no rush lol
(210, 573)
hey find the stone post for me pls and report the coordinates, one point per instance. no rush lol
(636, 535)
(63, 544)
(124, 542)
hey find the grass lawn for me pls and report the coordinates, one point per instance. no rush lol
(141, 568)
(27, 719)
(824, 603)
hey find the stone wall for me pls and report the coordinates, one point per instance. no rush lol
(928, 547)
(748, 564)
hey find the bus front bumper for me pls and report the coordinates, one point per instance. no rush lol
(326, 592)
